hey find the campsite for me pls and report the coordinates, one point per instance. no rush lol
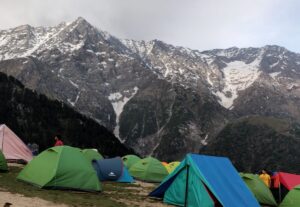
(69, 176)
(114, 194)
(149, 103)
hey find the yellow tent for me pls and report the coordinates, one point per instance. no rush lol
(171, 166)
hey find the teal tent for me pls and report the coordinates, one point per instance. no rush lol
(205, 181)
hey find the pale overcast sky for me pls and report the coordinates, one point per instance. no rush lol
(197, 24)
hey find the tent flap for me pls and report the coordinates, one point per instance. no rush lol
(223, 181)
(289, 180)
(125, 177)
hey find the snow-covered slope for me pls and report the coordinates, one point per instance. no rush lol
(225, 72)
(118, 102)
(237, 77)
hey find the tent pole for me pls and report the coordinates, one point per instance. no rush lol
(279, 189)
(186, 186)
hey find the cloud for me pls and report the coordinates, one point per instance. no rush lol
(198, 24)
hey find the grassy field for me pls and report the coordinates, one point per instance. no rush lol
(113, 195)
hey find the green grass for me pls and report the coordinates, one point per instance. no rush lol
(111, 196)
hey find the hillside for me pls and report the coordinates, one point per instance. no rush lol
(256, 142)
(36, 118)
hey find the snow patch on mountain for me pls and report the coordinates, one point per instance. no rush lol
(275, 74)
(292, 86)
(237, 77)
(74, 84)
(25, 40)
(142, 48)
(118, 102)
(73, 103)
(204, 141)
(274, 64)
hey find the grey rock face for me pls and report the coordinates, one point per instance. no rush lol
(157, 98)
(257, 142)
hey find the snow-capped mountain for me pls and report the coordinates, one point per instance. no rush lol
(157, 98)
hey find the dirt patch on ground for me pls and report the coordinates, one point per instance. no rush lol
(145, 203)
(146, 185)
(19, 200)
(143, 187)
(141, 199)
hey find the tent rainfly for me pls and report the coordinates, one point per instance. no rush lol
(261, 192)
(289, 180)
(205, 181)
(112, 170)
(149, 169)
(129, 160)
(61, 167)
(292, 199)
(92, 154)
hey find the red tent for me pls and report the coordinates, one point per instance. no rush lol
(289, 180)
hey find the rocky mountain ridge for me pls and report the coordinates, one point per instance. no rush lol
(157, 98)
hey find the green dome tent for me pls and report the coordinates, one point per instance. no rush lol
(92, 154)
(149, 169)
(261, 192)
(61, 167)
(129, 160)
(292, 199)
(3, 164)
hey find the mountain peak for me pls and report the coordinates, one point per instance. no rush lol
(81, 20)
(83, 26)
(26, 27)
(275, 48)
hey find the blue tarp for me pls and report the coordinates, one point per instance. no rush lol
(220, 178)
(223, 181)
